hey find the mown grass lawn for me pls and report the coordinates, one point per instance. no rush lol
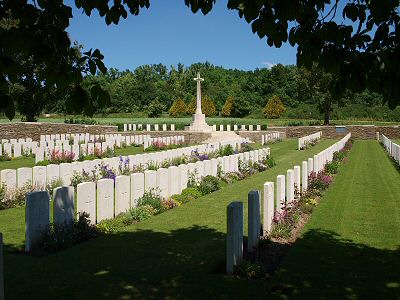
(178, 254)
(29, 162)
(351, 247)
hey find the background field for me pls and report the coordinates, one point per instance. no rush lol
(119, 119)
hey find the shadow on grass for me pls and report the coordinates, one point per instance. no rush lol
(181, 264)
(323, 265)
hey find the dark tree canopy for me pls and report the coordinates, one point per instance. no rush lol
(357, 41)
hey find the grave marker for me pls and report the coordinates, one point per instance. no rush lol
(122, 194)
(64, 207)
(268, 206)
(105, 199)
(254, 222)
(37, 217)
(86, 200)
(234, 236)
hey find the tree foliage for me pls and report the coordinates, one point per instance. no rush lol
(155, 108)
(227, 108)
(357, 42)
(178, 108)
(208, 106)
(274, 108)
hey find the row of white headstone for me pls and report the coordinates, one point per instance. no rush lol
(40, 176)
(78, 138)
(235, 127)
(17, 149)
(106, 198)
(303, 141)
(391, 147)
(166, 140)
(271, 136)
(296, 179)
(149, 127)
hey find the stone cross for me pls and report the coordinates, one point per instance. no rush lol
(198, 99)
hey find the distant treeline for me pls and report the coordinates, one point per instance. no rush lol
(154, 88)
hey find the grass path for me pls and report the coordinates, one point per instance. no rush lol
(351, 247)
(175, 254)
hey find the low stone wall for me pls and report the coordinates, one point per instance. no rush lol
(34, 130)
(357, 131)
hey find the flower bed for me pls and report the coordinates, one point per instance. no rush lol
(288, 224)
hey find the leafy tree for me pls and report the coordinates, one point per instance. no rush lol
(155, 109)
(227, 108)
(240, 108)
(178, 108)
(357, 42)
(208, 106)
(274, 108)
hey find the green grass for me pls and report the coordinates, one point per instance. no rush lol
(351, 246)
(30, 162)
(114, 119)
(177, 254)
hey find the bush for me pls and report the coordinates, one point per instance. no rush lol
(208, 106)
(250, 270)
(241, 108)
(209, 184)
(152, 198)
(332, 167)
(270, 162)
(226, 150)
(178, 108)
(191, 192)
(141, 213)
(227, 108)
(155, 109)
(319, 181)
(274, 108)
(61, 236)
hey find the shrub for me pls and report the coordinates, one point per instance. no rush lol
(250, 270)
(209, 184)
(270, 162)
(246, 147)
(111, 225)
(319, 181)
(226, 150)
(53, 184)
(61, 236)
(241, 108)
(274, 108)
(332, 167)
(14, 197)
(208, 106)
(155, 109)
(178, 108)
(141, 213)
(227, 108)
(191, 192)
(182, 199)
(152, 198)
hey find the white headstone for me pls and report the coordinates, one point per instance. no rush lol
(254, 221)
(310, 166)
(150, 180)
(24, 176)
(297, 176)
(174, 180)
(280, 193)
(52, 172)
(37, 217)
(234, 235)
(9, 178)
(66, 173)
(289, 186)
(39, 177)
(304, 176)
(105, 199)
(17, 150)
(183, 176)
(162, 182)
(86, 200)
(268, 206)
(122, 194)
(137, 187)
(64, 203)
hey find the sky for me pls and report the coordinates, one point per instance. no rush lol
(169, 33)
